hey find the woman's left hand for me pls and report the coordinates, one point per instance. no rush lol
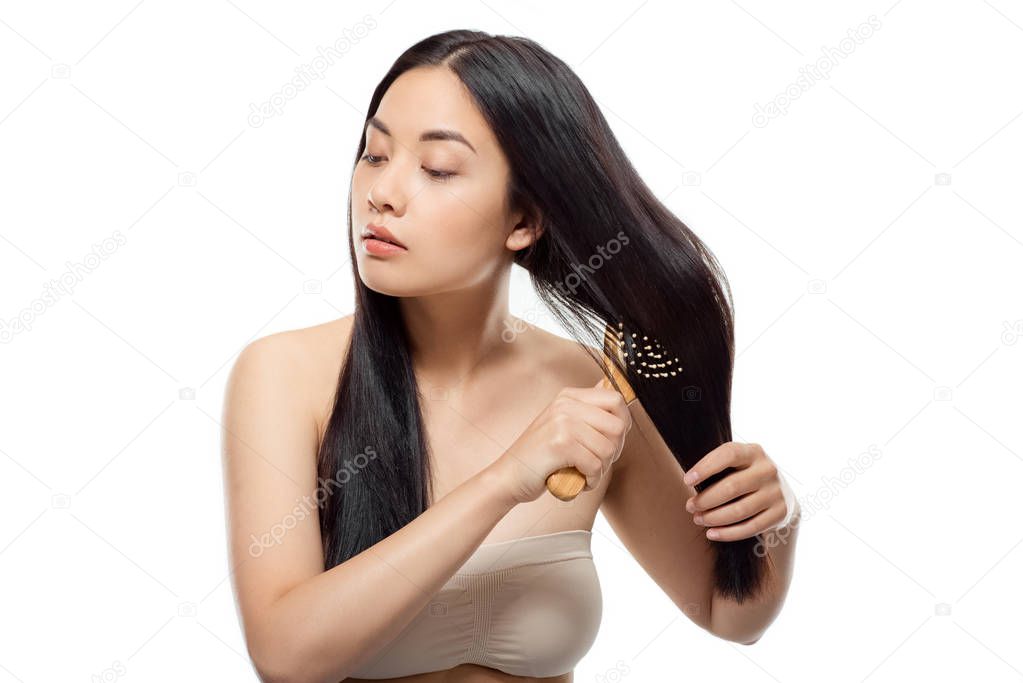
(765, 500)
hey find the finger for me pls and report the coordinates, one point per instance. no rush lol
(735, 511)
(620, 408)
(605, 385)
(604, 397)
(591, 455)
(727, 489)
(588, 464)
(605, 422)
(602, 388)
(596, 444)
(747, 529)
(729, 454)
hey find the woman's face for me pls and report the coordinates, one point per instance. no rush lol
(443, 197)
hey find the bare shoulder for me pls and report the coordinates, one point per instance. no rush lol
(565, 360)
(305, 362)
(571, 365)
(305, 345)
(269, 447)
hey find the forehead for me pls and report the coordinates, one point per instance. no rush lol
(428, 98)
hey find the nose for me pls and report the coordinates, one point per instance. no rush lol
(376, 203)
(386, 192)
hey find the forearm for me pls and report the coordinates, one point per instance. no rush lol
(330, 624)
(746, 622)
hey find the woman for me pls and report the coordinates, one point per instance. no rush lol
(386, 472)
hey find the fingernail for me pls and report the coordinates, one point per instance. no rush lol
(712, 533)
(691, 477)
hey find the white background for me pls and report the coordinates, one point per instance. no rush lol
(872, 236)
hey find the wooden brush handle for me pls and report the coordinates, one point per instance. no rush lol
(566, 483)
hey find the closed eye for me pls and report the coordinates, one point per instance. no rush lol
(439, 176)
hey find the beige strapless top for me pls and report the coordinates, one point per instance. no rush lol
(528, 607)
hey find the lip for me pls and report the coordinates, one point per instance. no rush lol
(381, 233)
(372, 245)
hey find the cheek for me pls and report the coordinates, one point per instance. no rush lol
(363, 178)
(359, 190)
(462, 216)
(467, 212)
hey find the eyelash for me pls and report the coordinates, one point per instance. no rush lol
(438, 176)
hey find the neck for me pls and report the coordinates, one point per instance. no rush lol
(454, 334)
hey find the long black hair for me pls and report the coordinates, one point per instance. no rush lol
(611, 256)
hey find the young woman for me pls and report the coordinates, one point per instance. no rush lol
(387, 472)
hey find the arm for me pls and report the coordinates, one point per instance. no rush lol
(745, 623)
(645, 504)
(300, 622)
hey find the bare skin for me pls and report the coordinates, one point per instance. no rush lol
(482, 388)
(485, 375)
(267, 450)
(468, 425)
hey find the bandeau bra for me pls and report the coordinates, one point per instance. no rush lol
(528, 607)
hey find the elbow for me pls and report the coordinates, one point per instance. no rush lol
(741, 625)
(276, 661)
(740, 632)
(285, 662)
(277, 672)
(271, 666)
(739, 637)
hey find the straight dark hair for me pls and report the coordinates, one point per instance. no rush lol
(611, 254)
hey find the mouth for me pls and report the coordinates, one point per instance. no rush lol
(381, 234)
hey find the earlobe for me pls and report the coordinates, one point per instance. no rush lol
(527, 229)
(523, 237)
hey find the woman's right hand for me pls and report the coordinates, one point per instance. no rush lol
(584, 428)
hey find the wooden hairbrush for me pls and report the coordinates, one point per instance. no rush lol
(566, 483)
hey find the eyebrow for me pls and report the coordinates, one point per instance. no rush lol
(425, 136)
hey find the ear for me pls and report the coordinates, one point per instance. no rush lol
(528, 229)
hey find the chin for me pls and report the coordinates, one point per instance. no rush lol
(406, 283)
(392, 284)
(382, 286)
